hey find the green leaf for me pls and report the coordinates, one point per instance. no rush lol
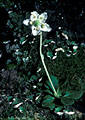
(73, 43)
(57, 33)
(58, 109)
(75, 50)
(51, 106)
(65, 32)
(47, 41)
(11, 66)
(21, 109)
(59, 92)
(16, 101)
(22, 40)
(9, 98)
(49, 54)
(54, 81)
(33, 77)
(48, 102)
(48, 99)
(67, 101)
(11, 118)
(76, 94)
(48, 91)
(66, 94)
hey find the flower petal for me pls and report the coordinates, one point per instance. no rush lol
(34, 13)
(34, 16)
(35, 31)
(26, 22)
(45, 27)
(43, 17)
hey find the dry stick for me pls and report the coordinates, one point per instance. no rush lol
(42, 59)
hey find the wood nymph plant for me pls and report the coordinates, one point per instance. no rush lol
(38, 26)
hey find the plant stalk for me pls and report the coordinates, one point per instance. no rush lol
(43, 62)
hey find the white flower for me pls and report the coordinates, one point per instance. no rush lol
(38, 23)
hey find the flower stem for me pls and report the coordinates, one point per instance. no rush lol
(43, 62)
